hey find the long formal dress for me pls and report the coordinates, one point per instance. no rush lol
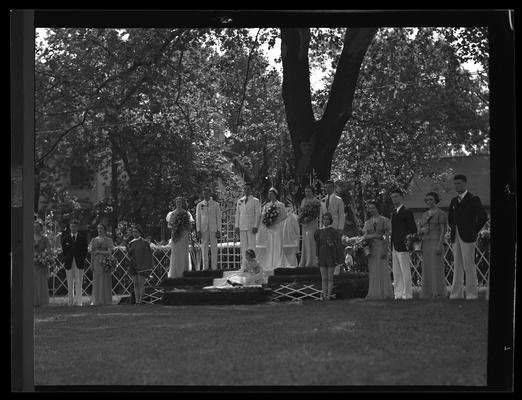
(308, 249)
(274, 248)
(41, 274)
(179, 256)
(433, 282)
(380, 284)
(290, 240)
(101, 279)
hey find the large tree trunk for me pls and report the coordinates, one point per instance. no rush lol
(314, 142)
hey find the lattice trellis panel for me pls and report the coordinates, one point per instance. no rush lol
(229, 257)
(481, 260)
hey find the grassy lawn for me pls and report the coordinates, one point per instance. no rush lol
(343, 342)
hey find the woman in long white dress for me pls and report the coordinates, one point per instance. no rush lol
(309, 226)
(274, 231)
(290, 239)
(180, 222)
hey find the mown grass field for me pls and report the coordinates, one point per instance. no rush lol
(343, 342)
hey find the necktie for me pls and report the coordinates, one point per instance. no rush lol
(246, 199)
(74, 238)
(460, 199)
(327, 203)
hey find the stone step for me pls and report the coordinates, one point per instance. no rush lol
(227, 296)
(297, 271)
(217, 273)
(195, 282)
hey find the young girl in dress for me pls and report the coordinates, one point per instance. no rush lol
(329, 252)
(250, 273)
(141, 262)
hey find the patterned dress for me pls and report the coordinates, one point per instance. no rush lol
(101, 278)
(41, 274)
(433, 282)
(329, 247)
(380, 284)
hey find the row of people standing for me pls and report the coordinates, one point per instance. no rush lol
(465, 218)
(75, 250)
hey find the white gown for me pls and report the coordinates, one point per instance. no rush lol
(274, 245)
(290, 240)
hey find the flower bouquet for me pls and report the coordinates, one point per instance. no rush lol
(413, 242)
(271, 215)
(309, 211)
(179, 222)
(358, 243)
(484, 236)
(45, 259)
(109, 263)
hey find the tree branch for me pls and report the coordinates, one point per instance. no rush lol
(339, 106)
(42, 158)
(245, 83)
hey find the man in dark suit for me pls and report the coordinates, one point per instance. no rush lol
(403, 223)
(466, 217)
(74, 248)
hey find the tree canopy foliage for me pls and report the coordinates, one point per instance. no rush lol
(173, 110)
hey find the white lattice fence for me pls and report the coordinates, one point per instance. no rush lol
(228, 252)
(481, 259)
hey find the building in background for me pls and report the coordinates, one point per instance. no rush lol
(476, 168)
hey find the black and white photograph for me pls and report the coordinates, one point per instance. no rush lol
(235, 200)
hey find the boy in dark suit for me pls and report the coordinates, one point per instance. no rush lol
(466, 217)
(74, 248)
(403, 223)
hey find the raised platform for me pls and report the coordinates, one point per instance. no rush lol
(216, 296)
(285, 284)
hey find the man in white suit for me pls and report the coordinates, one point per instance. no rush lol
(248, 212)
(208, 226)
(334, 205)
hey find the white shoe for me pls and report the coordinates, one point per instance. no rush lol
(471, 297)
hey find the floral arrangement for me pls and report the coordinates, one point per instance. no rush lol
(309, 211)
(484, 236)
(271, 215)
(411, 239)
(109, 263)
(45, 259)
(357, 243)
(179, 222)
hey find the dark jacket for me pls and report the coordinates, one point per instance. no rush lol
(74, 249)
(402, 224)
(468, 216)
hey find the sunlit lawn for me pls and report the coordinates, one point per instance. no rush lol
(343, 342)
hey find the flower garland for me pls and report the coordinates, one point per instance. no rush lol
(271, 215)
(179, 222)
(309, 211)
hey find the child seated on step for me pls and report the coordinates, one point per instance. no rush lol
(330, 253)
(250, 273)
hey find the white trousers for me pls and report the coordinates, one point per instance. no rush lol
(464, 262)
(247, 240)
(207, 237)
(402, 286)
(74, 284)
